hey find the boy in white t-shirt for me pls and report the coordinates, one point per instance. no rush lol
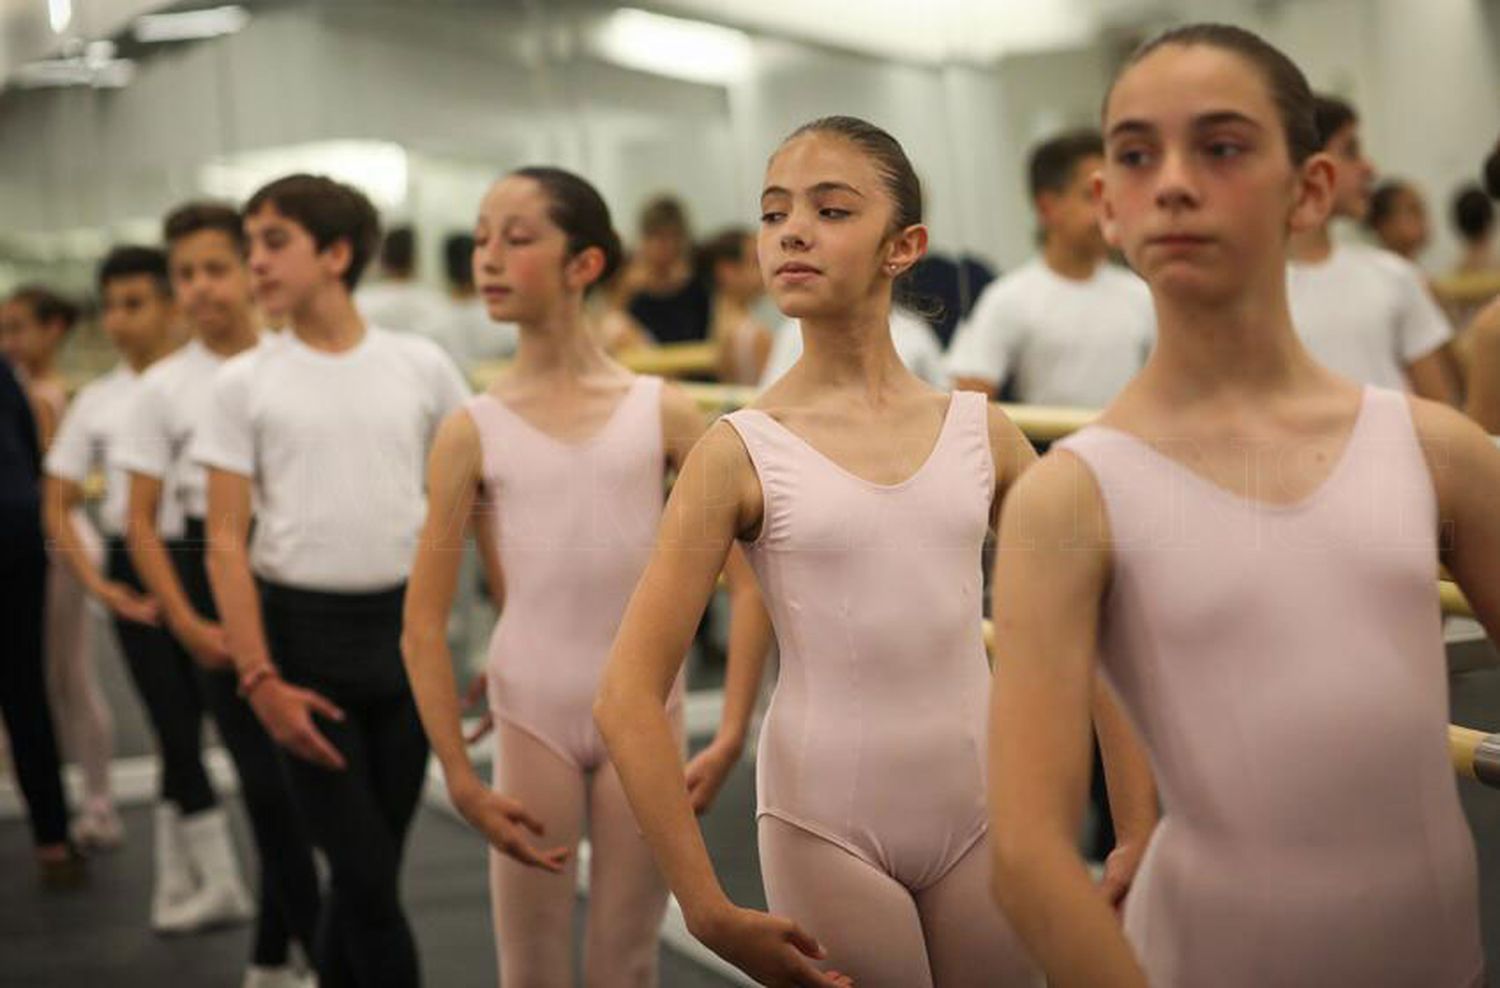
(330, 428)
(211, 285)
(1068, 327)
(1363, 311)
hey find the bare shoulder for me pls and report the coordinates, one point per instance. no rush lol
(1457, 450)
(1009, 444)
(679, 410)
(1057, 504)
(457, 439)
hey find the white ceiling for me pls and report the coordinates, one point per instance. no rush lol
(26, 32)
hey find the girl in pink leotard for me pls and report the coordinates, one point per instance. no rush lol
(1248, 542)
(566, 456)
(863, 498)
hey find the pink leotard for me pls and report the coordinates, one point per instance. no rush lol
(1285, 667)
(874, 739)
(576, 525)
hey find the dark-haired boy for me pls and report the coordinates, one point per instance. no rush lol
(1362, 311)
(211, 285)
(1068, 327)
(329, 428)
(139, 317)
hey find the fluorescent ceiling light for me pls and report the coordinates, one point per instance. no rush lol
(96, 67)
(674, 46)
(59, 15)
(379, 168)
(190, 25)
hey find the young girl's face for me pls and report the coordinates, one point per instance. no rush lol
(1198, 187)
(521, 263)
(825, 244)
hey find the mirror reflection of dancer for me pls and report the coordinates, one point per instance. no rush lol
(1247, 543)
(329, 426)
(863, 498)
(566, 456)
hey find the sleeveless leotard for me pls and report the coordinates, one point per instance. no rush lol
(1285, 666)
(576, 523)
(874, 739)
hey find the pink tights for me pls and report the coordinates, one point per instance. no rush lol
(949, 935)
(533, 909)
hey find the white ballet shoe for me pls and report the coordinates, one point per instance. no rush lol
(173, 882)
(285, 976)
(98, 827)
(221, 898)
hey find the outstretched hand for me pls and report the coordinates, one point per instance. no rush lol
(771, 949)
(504, 822)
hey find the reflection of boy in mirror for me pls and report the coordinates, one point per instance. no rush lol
(1067, 327)
(665, 295)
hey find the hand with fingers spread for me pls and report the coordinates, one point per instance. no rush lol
(707, 771)
(504, 822)
(130, 605)
(771, 949)
(287, 713)
(475, 695)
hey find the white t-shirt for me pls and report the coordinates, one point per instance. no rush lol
(470, 336)
(90, 437)
(405, 306)
(1365, 313)
(1067, 342)
(336, 447)
(916, 344)
(169, 402)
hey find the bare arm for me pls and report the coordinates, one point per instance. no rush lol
(60, 499)
(453, 472)
(1051, 572)
(716, 497)
(203, 638)
(749, 626)
(1465, 466)
(1131, 787)
(1483, 404)
(1435, 376)
(284, 709)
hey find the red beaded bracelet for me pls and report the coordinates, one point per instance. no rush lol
(252, 679)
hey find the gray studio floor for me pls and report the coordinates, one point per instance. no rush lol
(98, 935)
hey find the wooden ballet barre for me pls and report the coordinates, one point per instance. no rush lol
(1455, 604)
(673, 359)
(1475, 754)
(1467, 289)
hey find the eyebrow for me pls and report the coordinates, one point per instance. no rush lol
(819, 188)
(1203, 121)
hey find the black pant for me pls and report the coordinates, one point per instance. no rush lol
(290, 900)
(347, 648)
(23, 678)
(169, 687)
